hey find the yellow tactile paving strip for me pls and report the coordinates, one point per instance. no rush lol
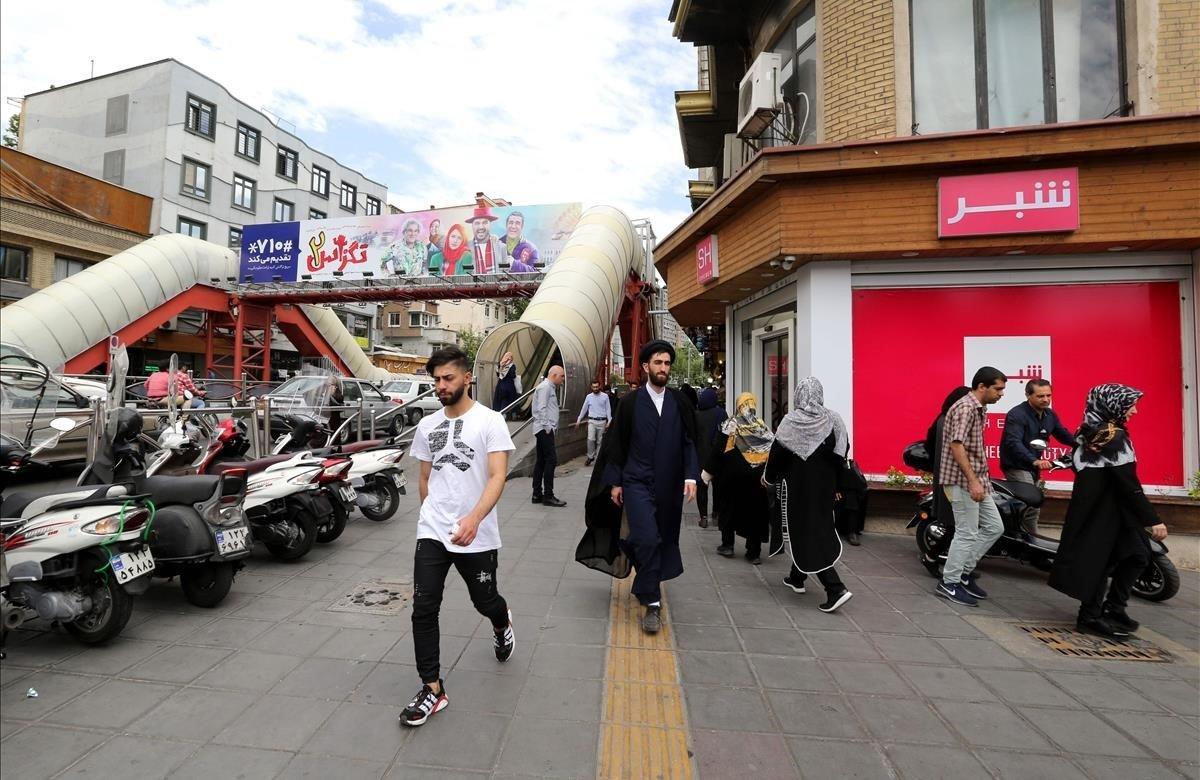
(644, 733)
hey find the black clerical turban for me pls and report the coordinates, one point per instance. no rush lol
(653, 348)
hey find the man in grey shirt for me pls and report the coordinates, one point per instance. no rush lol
(545, 423)
(598, 413)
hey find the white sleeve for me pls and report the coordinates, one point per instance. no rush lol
(498, 438)
(420, 445)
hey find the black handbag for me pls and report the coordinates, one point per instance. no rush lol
(850, 479)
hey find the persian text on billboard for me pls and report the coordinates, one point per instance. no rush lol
(269, 252)
(443, 242)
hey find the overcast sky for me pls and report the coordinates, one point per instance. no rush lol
(537, 101)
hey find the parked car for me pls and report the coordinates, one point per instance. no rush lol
(406, 388)
(302, 392)
(69, 394)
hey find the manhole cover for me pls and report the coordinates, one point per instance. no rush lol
(1064, 640)
(375, 597)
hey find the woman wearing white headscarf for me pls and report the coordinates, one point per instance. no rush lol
(808, 454)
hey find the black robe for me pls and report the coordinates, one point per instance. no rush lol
(506, 390)
(600, 546)
(810, 485)
(741, 502)
(1105, 520)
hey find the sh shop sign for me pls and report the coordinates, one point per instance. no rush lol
(706, 260)
(1044, 201)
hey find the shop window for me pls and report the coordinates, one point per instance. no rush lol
(245, 192)
(68, 266)
(798, 82)
(197, 179)
(314, 214)
(248, 142)
(284, 211)
(320, 181)
(286, 163)
(235, 238)
(349, 197)
(1005, 63)
(191, 227)
(201, 117)
(14, 263)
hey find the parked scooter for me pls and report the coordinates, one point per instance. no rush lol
(77, 556)
(934, 531)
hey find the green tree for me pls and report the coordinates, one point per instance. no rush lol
(12, 134)
(470, 340)
(517, 308)
(689, 366)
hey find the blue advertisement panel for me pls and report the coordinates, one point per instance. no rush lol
(270, 252)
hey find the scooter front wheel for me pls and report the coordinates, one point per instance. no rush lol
(306, 535)
(207, 584)
(1160, 580)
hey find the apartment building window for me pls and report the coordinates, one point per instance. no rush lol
(235, 238)
(394, 319)
(798, 80)
(201, 117)
(248, 142)
(286, 163)
(14, 263)
(114, 166)
(245, 192)
(116, 115)
(420, 319)
(314, 214)
(191, 227)
(374, 206)
(349, 197)
(487, 310)
(197, 179)
(320, 181)
(68, 266)
(1005, 63)
(285, 211)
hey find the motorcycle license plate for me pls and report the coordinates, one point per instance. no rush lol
(400, 480)
(231, 540)
(347, 493)
(128, 566)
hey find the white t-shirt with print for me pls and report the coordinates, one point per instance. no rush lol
(458, 449)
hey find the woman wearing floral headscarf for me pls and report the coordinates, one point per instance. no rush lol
(736, 463)
(809, 452)
(1103, 532)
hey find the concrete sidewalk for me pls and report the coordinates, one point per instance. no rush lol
(280, 681)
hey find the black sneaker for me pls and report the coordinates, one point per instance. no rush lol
(588, 462)
(835, 600)
(537, 499)
(424, 704)
(1101, 627)
(652, 620)
(505, 642)
(1120, 618)
(797, 587)
(553, 501)
(971, 586)
(725, 550)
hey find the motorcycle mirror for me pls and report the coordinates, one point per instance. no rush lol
(1038, 444)
(62, 424)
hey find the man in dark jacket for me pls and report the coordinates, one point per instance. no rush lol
(1033, 419)
(647, 466)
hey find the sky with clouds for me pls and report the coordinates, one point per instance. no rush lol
(536, 101)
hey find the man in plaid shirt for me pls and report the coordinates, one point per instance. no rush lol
(963, 472)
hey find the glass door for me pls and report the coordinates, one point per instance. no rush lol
(772, 373)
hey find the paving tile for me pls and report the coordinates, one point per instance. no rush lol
(114, 704)
(806, 615)
(322, 767)
(214, 761)
(193, 714)
(719, 638)
(1169, 737)
(946, 625)
(1104, 768)
(880, 622)
(774, 641)
(814, 715)
(986, 724)
(939, 682)
(1081, 732)
(249, 670)
(293, 639)
(566, 699)
(388, 684)
(229, 632)
(841, 644)
(1103, 690)
(726, 754)
(363, 731)
(573, 631)
(1019, 687)
(440, 742)
(132, 758)
(278, 723)
(549, 748)
(471, 691)
(935, 763)
(409, 772)
(981, 652)
(44, 750)
(918, 649)
(568, 661)
(759, 616)
(792, 673)
(451, 647)
(901, 720)
(828, 758)
(165, 626)
(178, 664)
(357, 644)
(270, 607)
(324, 678)
(714, 668)
(580, 606)
(712, 707)
(1180, 699)
(1029, 766)
(112, 658)
(308, 589)
(53, 689)
(699, 613)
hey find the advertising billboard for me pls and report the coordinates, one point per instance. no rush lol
(1076, 336)
(464, 241)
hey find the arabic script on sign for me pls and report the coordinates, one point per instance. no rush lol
(1043, 201)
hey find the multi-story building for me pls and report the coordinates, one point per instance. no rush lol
(473, 316)
(56, 222)
(416, 328)
(892, 193)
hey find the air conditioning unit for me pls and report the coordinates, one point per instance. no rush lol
(735, 156)
(759, 96)
(171, 324)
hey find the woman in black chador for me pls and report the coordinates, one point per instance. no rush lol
(507, 389)
(808, 455)
(1103, 533)
(736, 465)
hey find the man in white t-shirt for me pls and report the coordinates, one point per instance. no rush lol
(463, 451)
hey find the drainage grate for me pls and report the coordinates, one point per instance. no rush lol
(1066, 641)
(375, 597)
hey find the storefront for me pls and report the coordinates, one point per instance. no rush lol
(878, 268)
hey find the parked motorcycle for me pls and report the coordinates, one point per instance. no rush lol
(934, 531)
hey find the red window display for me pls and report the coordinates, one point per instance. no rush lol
(912, 346)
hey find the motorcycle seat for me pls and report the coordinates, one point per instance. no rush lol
(251, 466)
(27, 503)
(360, 446)
(181, 490)
(1027, 494)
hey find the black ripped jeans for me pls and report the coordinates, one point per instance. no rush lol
(430, 567)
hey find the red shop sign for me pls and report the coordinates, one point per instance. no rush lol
(706, 259)
(777, 366)
(1044, 201)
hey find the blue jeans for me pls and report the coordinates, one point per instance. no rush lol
(977, 526)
